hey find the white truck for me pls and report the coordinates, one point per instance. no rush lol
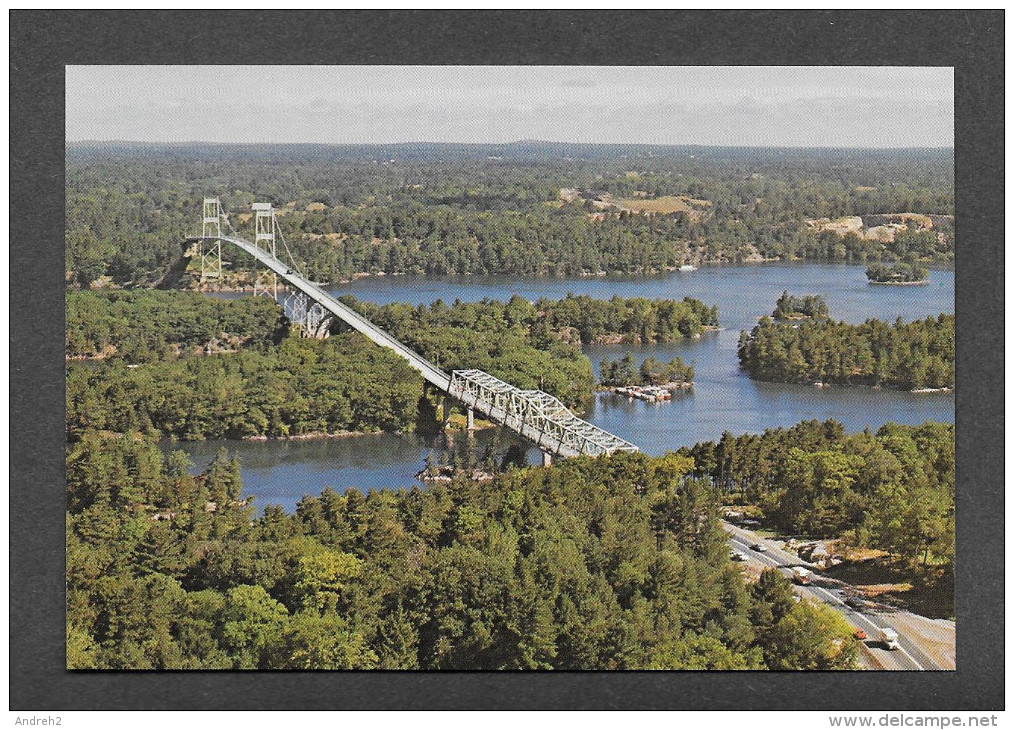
(801, 576)
(889, 638)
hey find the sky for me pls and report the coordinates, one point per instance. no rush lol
(794, 106)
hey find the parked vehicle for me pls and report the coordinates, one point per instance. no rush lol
(758, 547)
(801, 576)
(856, 602)
(860, 635)
(889, 638)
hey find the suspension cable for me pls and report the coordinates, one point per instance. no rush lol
(292, 259)
(278, 230)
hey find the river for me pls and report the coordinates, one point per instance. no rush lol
(723, 398)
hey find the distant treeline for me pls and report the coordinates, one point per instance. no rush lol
(911, 355)
(614, 563)
(892, 490)
(403, 210)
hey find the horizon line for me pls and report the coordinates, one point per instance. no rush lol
(491, 143)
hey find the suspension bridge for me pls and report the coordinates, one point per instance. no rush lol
(538, 417)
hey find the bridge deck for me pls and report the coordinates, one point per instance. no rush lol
(535, 415)
(431, 372)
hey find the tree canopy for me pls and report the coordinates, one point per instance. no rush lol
(615, 563)
(909, 355)
(191, 367)
(454, 210)
(892, 490)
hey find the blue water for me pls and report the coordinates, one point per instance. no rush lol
(723, 398)
(743, 293)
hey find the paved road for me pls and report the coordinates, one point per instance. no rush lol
(909, 657)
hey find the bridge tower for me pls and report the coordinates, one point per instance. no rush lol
(211, 251)
(265, 281)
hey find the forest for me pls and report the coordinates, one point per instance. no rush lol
(502, 209)
(618, 562)
(891, 490)
(191, 367)
(907, 355)
(577, 319)
(140, 326)
(615, 563)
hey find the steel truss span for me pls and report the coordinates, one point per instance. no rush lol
(536, 415)
(533, 414)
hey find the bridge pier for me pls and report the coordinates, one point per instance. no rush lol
(471, 420)
(547, 458)
(445, 412)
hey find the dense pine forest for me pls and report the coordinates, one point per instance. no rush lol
(892, 490)
(909, 355)
(522, 209)
(187, 366)
(615, 563)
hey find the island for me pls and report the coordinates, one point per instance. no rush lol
(901, 274)
(916, 356)
(653, 381)
(810, 306)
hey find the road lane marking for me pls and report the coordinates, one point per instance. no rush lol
(835, 601)
(871, 622)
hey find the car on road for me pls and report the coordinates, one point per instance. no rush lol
(801, 576)
(889, 639)
(860, 634)
(759, 547)
(856, 602)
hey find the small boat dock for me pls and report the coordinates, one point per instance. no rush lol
(649, 393)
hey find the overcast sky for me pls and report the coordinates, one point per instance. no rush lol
(755, 106)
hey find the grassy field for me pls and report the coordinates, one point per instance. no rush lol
(664, 204)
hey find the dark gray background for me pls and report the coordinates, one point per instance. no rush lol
(42, 42)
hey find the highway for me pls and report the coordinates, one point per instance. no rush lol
(910, 656)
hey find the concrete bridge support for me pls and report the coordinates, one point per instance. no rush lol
(547, 458)
(471, 420)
